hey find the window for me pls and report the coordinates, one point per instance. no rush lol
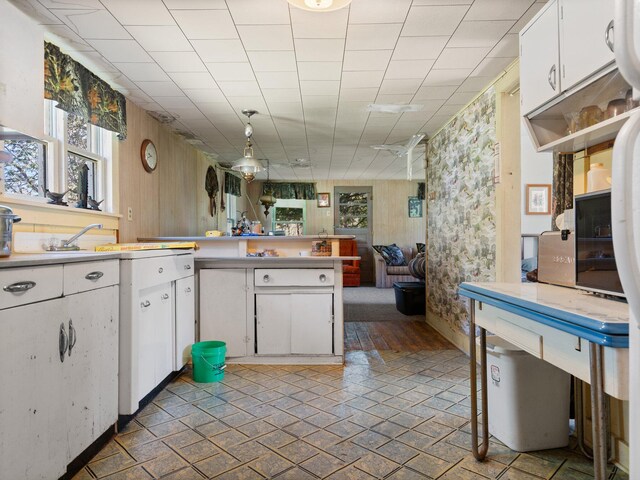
(353, 209)
(289, 216)
(56, 162)
(230, 209)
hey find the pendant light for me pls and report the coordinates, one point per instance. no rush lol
(248, 165)
(320, 5)
(268, 200)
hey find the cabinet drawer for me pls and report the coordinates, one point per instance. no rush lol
(157, 270)
(19, 286)
(80, 277)
(513, 328)
(293, 277)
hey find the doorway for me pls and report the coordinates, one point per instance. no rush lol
(353, 212)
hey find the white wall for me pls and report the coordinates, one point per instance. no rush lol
(535, 168)
(21, 72)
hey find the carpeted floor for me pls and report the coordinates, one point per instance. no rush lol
(370, 304)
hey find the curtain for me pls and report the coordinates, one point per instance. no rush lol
(297, 191)
(562, 185)
(232, 184)
(80, 92)
(421, 190)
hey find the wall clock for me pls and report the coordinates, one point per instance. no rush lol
(149, 155)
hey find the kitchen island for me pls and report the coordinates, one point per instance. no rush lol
(270, 310)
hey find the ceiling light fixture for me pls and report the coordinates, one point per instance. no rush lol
(320, 5)
(268, 200)
(393, 108)
(248, 165)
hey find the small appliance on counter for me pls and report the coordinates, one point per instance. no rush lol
(556, 258)
(7, 219)
(596, 269)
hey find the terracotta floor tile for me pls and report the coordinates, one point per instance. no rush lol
(376, 465)
(397, 451)
(245, 452)
(134, 473)
(298, 451)
(270, 465)
(198, 451)
(111, 464)
(240, 473)
(428, 465)
(406, 474)
(216, 465)
(165, 464)
(149, 451)
(188, 473)
(322, 465)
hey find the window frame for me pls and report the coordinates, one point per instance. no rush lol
(301, 204)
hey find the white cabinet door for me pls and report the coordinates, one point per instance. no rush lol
(155, 355)
(312, 323)
(585, 27)
(91, 367)
(185, 321)
(33, 431)
(223, 308)
(539, 60)
(273, 323)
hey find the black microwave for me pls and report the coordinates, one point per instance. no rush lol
(596, 269)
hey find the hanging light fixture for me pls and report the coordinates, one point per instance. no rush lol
(268, 200)
(248, 165)
(320, 5)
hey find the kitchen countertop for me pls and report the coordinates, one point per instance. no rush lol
(52, 258)
(244, 237)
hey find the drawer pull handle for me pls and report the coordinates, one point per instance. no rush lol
(94, 275)
(145, 304)
(160, 270)
(608, 37)
(552, 73)
(63, 342)
(72, 336)
(187, 267)
(165, 296)
(323, 278)
(187, 290)
(19, 287)
(265, 279)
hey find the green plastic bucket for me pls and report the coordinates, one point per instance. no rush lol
(208, 361)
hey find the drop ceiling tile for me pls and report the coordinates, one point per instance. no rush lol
(362, 79)
(319, 101)
(266, 37)
(362, 60)
(311, 25)
(498, 9)
(373, 37)
(528, 15)
(96, 62)
(261, 122)
(160, 89)
(400, 86)
(179, 61)
(281, 95)
(220, 50)
(277, 79)
(187, 113)
(206, 24)
(453, 76)
(474, 84)
(121, 82)
(435, 93)
(461, 57)
(64, 37)
(394, 98)
(399, 69)
(205, 95)
(433, 20)
(358, 94)
(379, 11)
(98, 24)
(216, 109)
(160, 39)
(320, 70)
(507, 47)
(319, 50)
(239, 89)
(461, 98)
(149, 12)
(259, 12)
(319, 87)
(138, 96)
(419, 48)
(121, 50)
(142, 71)
(240, 71)
(479, 33)
(193, 80)
(150, 106)
(195, 4)
(492, 67)
(273, 61)
(450, 110)
(36, 11)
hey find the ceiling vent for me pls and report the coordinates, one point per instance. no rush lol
(393, 108)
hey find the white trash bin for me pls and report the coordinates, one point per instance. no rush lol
(528, 398)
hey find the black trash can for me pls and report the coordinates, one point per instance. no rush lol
(410, 297)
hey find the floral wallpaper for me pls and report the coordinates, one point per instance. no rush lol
(461, 229)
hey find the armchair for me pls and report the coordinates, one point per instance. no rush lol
(350, 268)
(387, 274)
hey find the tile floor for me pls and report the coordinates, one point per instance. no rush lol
(387, 414)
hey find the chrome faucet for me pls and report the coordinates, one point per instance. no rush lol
(67, 245)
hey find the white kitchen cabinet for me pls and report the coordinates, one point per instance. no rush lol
(273, 323)
(185, 323)
(33, 430)
(586, 38)
(539, 59)
(223, 308)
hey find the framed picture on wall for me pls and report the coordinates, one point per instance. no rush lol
(538, 199)
(415, 207)
(324, 200)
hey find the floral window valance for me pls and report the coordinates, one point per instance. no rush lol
(80, 92)
(232, 184)
(297, 191)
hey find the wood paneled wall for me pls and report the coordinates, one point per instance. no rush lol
(391, 222)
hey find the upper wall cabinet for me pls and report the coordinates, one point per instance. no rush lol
(586, 38)
(540, 59)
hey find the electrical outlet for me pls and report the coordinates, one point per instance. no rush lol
(130, 214)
